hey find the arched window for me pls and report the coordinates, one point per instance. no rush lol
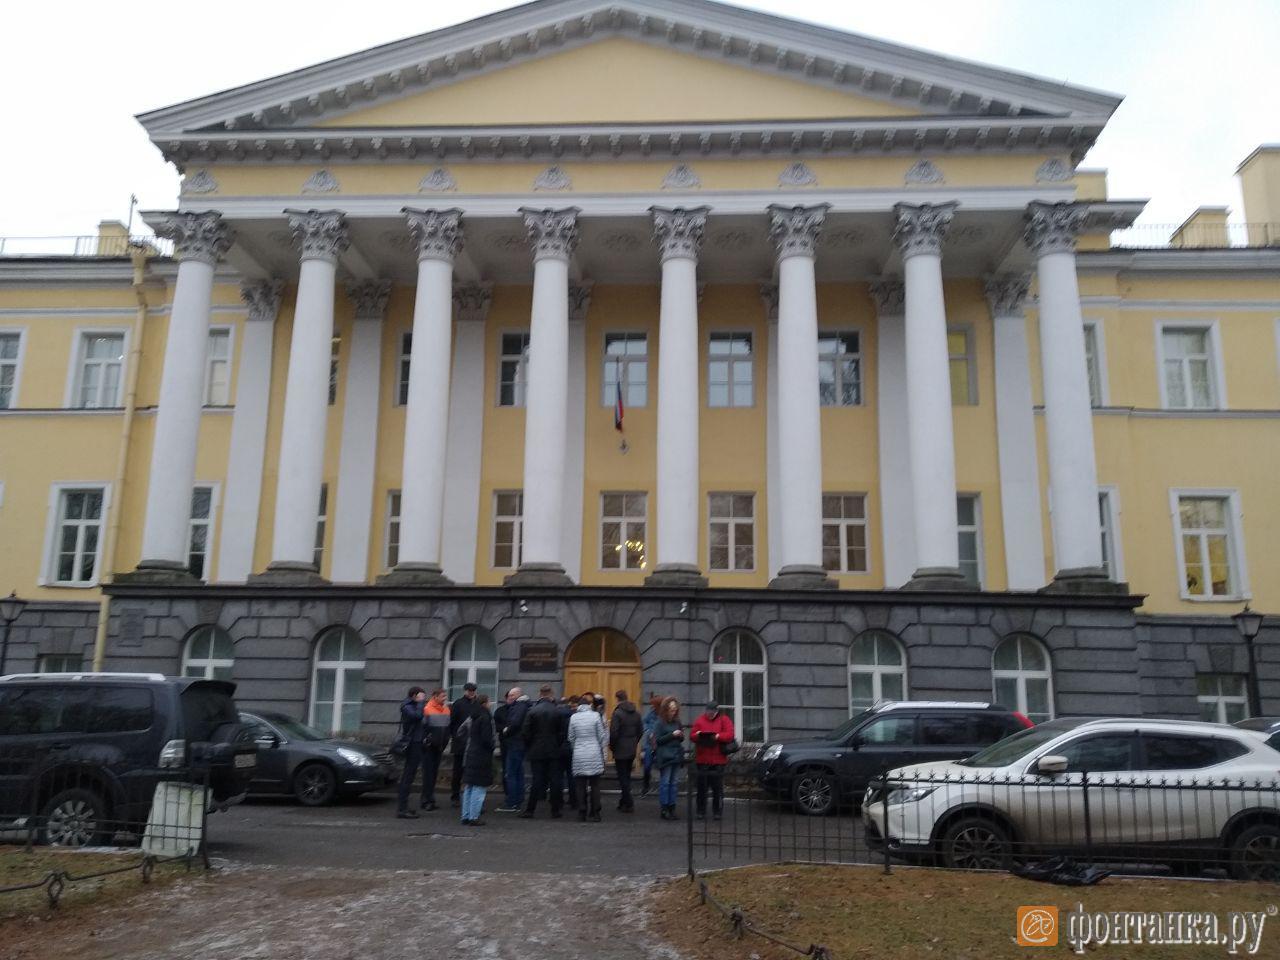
(337, 681)
(738, 683)
(472, 658)
(877, 670)
(208, 654)
(1022, 677)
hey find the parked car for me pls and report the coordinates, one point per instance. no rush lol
(820, 774)
(1270, 726)
(295, 759)
(83, 752)
(1189, 794)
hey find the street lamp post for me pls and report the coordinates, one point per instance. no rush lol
(1249, 624)
(10, 609)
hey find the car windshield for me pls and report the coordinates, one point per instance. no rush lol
(294, 729)
(846, 728)
(1014, 748)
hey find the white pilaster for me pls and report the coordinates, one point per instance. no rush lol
(773, 456)
(353, 508)
(795, 231)
(243, 496)
(553, 235)
(678, 234)
(466, 434)
(322, 235)
(897, 505)
(919, 233)
(200, 240)
(1016, 435)
(575, 425)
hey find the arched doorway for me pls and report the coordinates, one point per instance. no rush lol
(602, 661)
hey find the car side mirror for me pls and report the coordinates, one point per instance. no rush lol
(856, 741)
(270, 741)
(1051, 765)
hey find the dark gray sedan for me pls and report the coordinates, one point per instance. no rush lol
(295, 759)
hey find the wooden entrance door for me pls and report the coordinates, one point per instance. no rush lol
(603, 661)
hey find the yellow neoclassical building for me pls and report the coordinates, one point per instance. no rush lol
(662, 344)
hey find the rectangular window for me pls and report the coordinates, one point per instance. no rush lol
(60, 663)
(99, 372)
(10, 344)
(402, 369)
(1107, 521)
(508, 528)
(513, 369)
(1222, 697)
(626, 360)
(335, 347)
(964, 380)
(217, 372)
(1188, 365)
(1093, 362)
(844, 532)
(200, 536)
(320, 525)
(839, 369)
(393, 528)
(623, 527)
(732, 534)
(729, 371)
(1208, 555)
(77, 536)
(969, 528)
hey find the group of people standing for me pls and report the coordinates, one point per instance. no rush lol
(566, 744)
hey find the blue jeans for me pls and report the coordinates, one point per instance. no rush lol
(669, 785)
(472, 802)
(513, 773)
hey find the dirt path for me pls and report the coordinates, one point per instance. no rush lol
(247, 913)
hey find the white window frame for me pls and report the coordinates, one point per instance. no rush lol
(970, 359)
(1217, 372)
(1093, 326)
(215, 490)
(623, 362)
(230, 331)
(43, 663)
(733, 523)
(1022, 675)
(520, 386)
(394, 510)
(980, 545)
(878, 671)
(844, 523)
(1235, 542)
(825, 333)
(322, 526)
(341, 668)
(750, 337)
(75, 364)
(517, 529)
(471, 666)
(208, 664)
(47, 576)
(737, 670)
(623, 521)
(17, 363)
(1220, 700)
(1112, 493)
(404, 366)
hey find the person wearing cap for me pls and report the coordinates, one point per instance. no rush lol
(626, 729)
(462, 710)
(710, 733)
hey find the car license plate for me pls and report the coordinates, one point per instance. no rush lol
(244, 760)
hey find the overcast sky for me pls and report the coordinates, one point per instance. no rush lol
(1199, 78)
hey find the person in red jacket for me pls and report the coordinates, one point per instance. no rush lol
(709, 735)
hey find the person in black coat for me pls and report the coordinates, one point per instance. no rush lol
(544, 736)
(626, 728)
(459, 713)
(477, 763)
(411, 729)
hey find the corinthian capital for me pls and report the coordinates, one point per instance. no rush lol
(1007, 293)
(197, 236)
(322, 234)
(795, 230)
(769, 299)
(1053, 227)
(889, 296)
(263, 298)
(471, 302)
(553, 234)
(370, 298)
(921, 229)
(678, 232)
(436, 233)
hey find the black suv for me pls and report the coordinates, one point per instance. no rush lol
(821, 774)
(83, 752)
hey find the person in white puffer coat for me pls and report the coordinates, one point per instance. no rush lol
(588, 738)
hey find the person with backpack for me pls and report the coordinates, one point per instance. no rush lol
(625, 732)
(436, 716)
(712, 738)
(459, 713)
(588, 739)
(646, 744)
(477, 761)
(668, 757)
(409, 745)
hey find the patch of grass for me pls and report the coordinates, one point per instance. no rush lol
(860, 914)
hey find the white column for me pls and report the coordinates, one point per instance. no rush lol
(1016, 435)
(322, 236)
(200, 240)
(918, 234)
(575, 452)
(243, 496)
(1073, 472)
(773, 456)
(553, 235)
(897, 506)
(438, 236)
(678, 234)
(353, 507)
(795, 231)
(466, 434)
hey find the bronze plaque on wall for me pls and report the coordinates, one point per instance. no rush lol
(539, 658)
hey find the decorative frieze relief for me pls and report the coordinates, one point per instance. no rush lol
(889, 294)
(921, 229)
(471, 302)
(681, 177)
(199, 182)
(795, 230)
(322, 181)
(370, 298)
(438, 180)
(552, 233)
(621, 241)
(1054, 227)
(197, 236)
(321, 234)
(733, 241)
(263, 299)
(924, 172)
(1007, 293)
(553, 178)
(678, 232)
(436, 233)
(797, 174)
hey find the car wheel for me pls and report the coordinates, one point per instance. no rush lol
(75, 818)
(1255, 853)
(814, 793)
(977, 843)
(315, 784)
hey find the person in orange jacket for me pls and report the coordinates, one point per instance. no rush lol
(710, 733)
(436, 720)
